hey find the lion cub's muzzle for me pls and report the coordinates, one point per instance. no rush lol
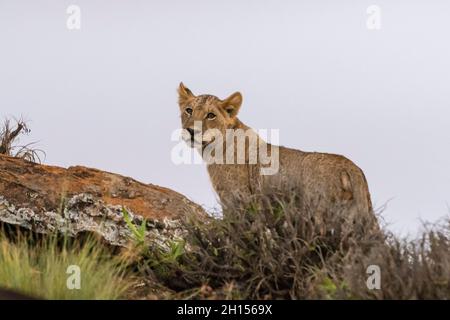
(192, 137)
(196, 138)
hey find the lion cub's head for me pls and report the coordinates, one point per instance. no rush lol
(201, 113)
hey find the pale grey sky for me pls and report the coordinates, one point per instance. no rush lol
(105, 96)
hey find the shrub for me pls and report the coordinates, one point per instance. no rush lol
(270, 246)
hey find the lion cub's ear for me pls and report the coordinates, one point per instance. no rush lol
(184, 94)
(232, 104)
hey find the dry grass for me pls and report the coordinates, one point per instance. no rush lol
(269, 247)
(9, 141)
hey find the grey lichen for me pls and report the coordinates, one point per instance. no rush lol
(85, 213)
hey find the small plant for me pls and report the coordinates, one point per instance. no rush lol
(328, 287)
(172, 255)
(138, 232)
(165, 260)
(154, 259)
(9, 137)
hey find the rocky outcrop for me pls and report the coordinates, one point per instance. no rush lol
(48, 199)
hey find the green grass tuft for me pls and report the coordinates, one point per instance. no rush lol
(39, 269)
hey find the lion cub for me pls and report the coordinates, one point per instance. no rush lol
(325, 181)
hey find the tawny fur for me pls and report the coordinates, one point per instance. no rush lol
(325, 181)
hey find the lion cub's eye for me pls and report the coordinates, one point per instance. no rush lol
(210, 116)
(188, 111)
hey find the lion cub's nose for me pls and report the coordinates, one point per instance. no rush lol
(191, 132)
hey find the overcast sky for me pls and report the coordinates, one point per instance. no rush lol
(105, 96)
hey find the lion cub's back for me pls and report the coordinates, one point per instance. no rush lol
(325, 176)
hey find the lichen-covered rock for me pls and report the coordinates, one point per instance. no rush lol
(71, 201)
